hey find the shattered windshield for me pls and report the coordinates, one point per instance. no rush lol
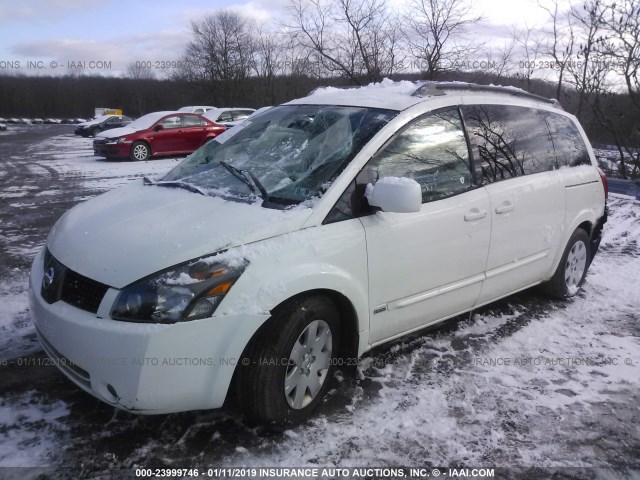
(286, 155)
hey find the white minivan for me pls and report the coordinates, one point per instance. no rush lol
(297, 241)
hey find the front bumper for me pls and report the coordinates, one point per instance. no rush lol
(144, 368)
(111, 150)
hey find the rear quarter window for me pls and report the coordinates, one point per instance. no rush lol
(570, 148)
(509, 141)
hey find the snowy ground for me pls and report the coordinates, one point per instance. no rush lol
(523, 383)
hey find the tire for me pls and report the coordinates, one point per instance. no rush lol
(572, 270)
(139, 151)
(95, 131)
(284, 376)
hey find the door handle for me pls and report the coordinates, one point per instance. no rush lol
(504, 208)
(474, 214)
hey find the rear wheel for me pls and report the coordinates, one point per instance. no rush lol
(95, 131)
(139, 151)
(572, 270)
(288, 369)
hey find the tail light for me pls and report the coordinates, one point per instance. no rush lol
(603, 177)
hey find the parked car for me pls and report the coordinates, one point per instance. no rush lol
(199, 109)
(227, 116)
(156, 134)
(325, 227)
(3, 127)
(52, 121)
(238, 122)
(37, 121)
(100, 124)
(13, 121)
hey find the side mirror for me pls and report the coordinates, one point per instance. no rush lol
(157, 128)
(395, 194)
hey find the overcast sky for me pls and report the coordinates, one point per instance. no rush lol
(51, 33)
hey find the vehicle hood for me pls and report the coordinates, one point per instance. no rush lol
(126, 234)
(118, 132)
(90, 122)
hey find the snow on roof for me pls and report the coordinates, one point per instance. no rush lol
(149, 119)
(385, 94)
(401, 95)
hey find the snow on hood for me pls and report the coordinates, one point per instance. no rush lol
(95, 121)
(128, 233)
(117, 132)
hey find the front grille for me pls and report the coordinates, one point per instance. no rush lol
(61, 283)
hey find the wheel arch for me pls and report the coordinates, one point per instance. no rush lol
(141, 140)
(349, 334)
(583, 221)
(349, 331)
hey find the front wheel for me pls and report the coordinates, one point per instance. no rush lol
(289, 367)
(139, 151)
(572, 270)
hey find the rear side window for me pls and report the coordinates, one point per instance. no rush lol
(191, 121)
(241, 114)
(509, 141)
(569, 146)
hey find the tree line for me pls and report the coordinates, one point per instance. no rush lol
(586, 56)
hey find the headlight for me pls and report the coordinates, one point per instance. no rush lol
(187, 292)
(115, 140)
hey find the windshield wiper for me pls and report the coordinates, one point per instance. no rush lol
(239, 174)
(186, 186)
(244, 176)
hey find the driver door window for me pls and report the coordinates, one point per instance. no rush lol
(432, 151)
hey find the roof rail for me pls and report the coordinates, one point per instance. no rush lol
(438, 88)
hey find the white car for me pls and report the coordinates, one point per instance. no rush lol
(228, 116)
(199, 109)
(257, 112)
(294, 243)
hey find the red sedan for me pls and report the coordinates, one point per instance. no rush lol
(157, 134)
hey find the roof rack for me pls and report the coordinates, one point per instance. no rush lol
(438, 88)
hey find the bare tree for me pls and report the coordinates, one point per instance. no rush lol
(435, 33)
(588, 72)
(560, 42)
(619, 52)
(528, 40)
(354, 39)
(500, 59)
(137, 71)
(222, 52)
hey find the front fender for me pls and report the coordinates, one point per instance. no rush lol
(325, 257)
